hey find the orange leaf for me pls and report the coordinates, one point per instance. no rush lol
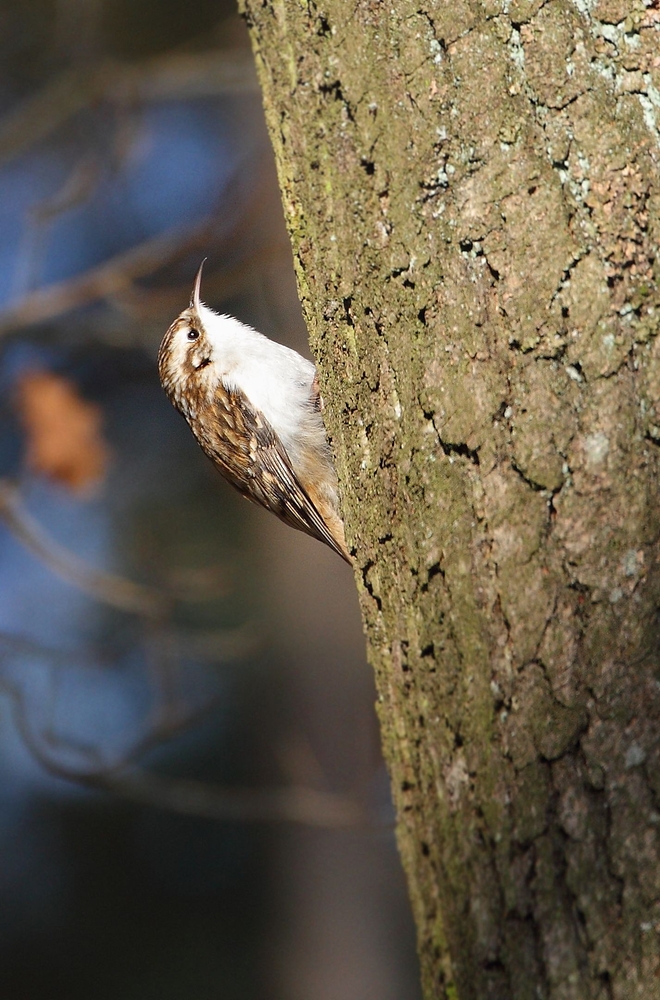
(63, 431)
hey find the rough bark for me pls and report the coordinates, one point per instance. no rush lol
(472, 194)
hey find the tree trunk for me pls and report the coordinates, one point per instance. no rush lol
(472, 195)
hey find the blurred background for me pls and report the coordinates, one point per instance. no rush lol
(192, 798)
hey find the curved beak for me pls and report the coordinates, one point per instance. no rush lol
(194, 298)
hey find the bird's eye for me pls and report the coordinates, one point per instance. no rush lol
(193, 334)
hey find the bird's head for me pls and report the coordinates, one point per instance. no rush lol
(186, 354)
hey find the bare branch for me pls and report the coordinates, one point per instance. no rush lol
(168, 77)
(105, 587)
(110, 279)
(292, 804)
(116, 279)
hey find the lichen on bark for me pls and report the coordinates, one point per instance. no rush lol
(472, 195)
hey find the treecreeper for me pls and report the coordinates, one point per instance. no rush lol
(255, 408)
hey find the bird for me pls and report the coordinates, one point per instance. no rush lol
(255, 408)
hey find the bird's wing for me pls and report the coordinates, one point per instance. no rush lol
(249, 453)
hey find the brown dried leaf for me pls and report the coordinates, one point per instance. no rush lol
(63, 431)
